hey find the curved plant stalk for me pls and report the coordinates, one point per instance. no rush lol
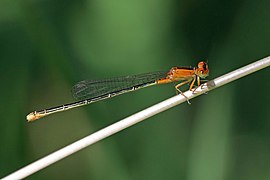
(136, 118)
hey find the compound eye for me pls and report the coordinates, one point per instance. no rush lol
(204, 66)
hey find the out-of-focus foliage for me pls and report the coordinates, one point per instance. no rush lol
(48, 45)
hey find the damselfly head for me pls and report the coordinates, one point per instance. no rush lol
(202, 69)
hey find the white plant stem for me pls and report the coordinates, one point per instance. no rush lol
(136, 118)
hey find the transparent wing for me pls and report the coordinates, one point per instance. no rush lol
(88, 89)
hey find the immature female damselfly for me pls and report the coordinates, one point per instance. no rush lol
(90, 91)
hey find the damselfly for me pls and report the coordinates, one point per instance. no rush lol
(89, 91)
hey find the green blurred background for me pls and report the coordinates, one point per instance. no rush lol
(46, 46)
